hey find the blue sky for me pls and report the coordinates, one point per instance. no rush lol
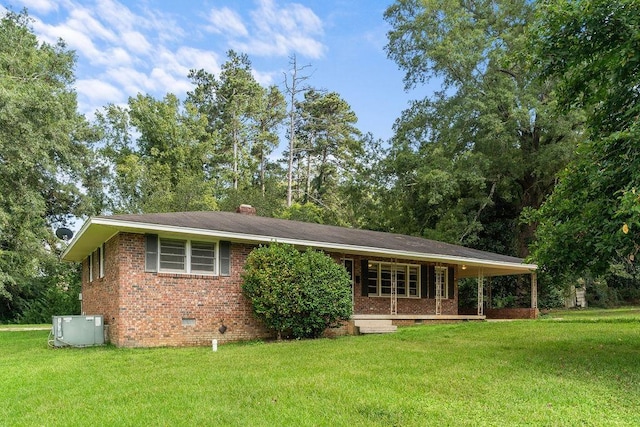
(148, 46)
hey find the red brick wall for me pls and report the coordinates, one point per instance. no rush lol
(382, 305)
(101, 295)
(147, 309)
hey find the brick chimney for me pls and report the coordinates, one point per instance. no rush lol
(246, 210)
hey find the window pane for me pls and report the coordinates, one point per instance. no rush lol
(373, 278)
(441, 281)
(203, 257)
(172, 254)
(385, 279)
(413, 281)
(401, 281)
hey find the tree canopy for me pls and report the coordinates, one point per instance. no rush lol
(47, 168)
(593, 217)
(159, 153)
(464, 163)
(532, 142)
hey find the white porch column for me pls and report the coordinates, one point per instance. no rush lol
(394, 290)
(480, 292)
(534, 289)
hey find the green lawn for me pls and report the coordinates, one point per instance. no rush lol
(546, 372)
(596, 314)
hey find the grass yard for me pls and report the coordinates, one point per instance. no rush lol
(545, 372)
(596, 314)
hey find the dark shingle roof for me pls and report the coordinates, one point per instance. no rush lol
(273, 228)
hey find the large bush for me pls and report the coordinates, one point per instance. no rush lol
(297, 293)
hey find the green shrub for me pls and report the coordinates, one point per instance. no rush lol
(54, 292)
(301, 293)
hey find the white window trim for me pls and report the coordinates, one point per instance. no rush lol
(101, 262)
(90, 259)
(187, 262)
(407, 275)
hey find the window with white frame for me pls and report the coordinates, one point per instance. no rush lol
(381, 277)
(187, 256)
(203, 257)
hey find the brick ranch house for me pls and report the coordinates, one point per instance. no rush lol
(174, 279)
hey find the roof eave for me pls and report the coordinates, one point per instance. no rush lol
(120, 225)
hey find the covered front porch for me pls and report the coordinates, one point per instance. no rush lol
(438, 301)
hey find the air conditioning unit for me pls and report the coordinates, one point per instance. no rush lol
(77, 331)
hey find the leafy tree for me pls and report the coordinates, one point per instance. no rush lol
(236, 104)
(270, 114)
(269, 204)
(46, 164)
(159, 152)
(303, 293)
(329, 147)
(327, 131)
(465, 163)
(54, 292)
(307, 212)
(592, 219)
(244, 118)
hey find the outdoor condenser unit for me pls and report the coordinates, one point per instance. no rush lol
(77, 331)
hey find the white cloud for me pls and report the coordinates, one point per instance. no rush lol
(117, 56)
(82, 20)
(274, 30)
(130, 80)
(168, 83)
(98, 92)
(192, 58)
(266, 78)
(75, 39)
(123, 51)
(116, 15)
(136, 42)
(40, 6)
(294, 19)
(281, 31)
(226, 20)
(163, 26)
